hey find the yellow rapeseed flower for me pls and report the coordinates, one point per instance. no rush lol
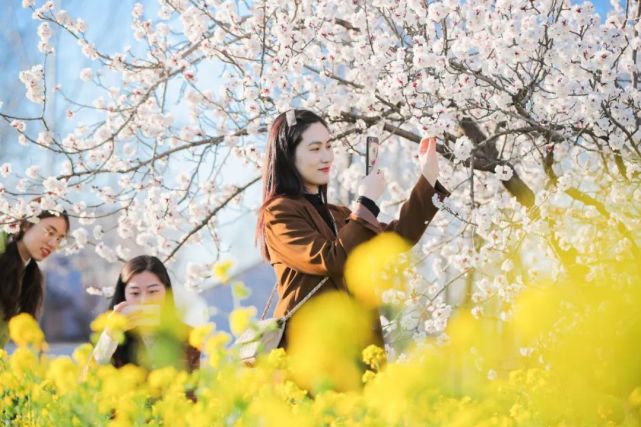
(64, 374)
(215, 348)
(165, 379)
(325, 341)
(82, 353)
(116, 323)
(109, 320)
(635, 397)
(198, 335)
(276, 359)
(374, 356)
(368, 376)
(240, 319)
(267, 408)
(240, 291)
(377, 265)
(23, 361)
(220, 270)
(24, 330)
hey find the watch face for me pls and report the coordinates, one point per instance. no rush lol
(372, 146)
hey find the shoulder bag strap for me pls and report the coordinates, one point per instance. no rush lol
(297, 306)
(269, 302)
(304, 300)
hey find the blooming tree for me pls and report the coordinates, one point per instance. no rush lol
(535, 103)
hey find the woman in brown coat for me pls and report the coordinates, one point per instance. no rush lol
(304, 237)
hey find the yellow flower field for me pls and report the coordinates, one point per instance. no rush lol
(581, 369)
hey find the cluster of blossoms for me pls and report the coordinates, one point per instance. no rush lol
(33, 80)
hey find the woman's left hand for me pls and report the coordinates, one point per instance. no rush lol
(428, 159)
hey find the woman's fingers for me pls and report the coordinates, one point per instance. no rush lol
(121, 306)
(428, 160)
(375, 169)
(427, 145)
(422, 148)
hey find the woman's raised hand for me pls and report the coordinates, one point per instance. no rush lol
(372, 186)
(428, 159)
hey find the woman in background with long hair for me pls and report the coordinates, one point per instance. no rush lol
(21, 281)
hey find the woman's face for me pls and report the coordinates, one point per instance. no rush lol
(145, 288)
(314, 156)
(41, 239)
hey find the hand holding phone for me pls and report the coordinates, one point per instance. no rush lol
(142, 315)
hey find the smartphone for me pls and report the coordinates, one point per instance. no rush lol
(146, 314)
(371, 152)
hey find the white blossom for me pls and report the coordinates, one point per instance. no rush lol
(463, 148)
(45, 138)
(80, 236)
(85, 74)
(33, 79)
(5, 170)
(137, 10)
(32, 171)
(98, 232)
(123, 252)
(106, 252)
(44, 32)
(55, 186)
(504, 173)
(19, 125)
(104, 291)
(81, 25)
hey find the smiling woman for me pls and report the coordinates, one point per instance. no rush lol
(154, 334)
(307, 239)
(21, 281)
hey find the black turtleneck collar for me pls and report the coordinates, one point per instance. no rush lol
(321, 207)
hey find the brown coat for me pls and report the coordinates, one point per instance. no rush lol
(303, 249)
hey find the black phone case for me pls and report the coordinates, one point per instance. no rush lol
(367, 142)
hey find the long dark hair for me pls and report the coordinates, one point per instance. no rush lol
(280, 176)
(128, 351)
(26, 295)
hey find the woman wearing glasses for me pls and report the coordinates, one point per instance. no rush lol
(21, 281)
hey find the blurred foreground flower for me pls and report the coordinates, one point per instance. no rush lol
(24, 331)
(115, 323)
(240, 319)
(376, 266)
(198, 335)
(325, 340)
(221, 269)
